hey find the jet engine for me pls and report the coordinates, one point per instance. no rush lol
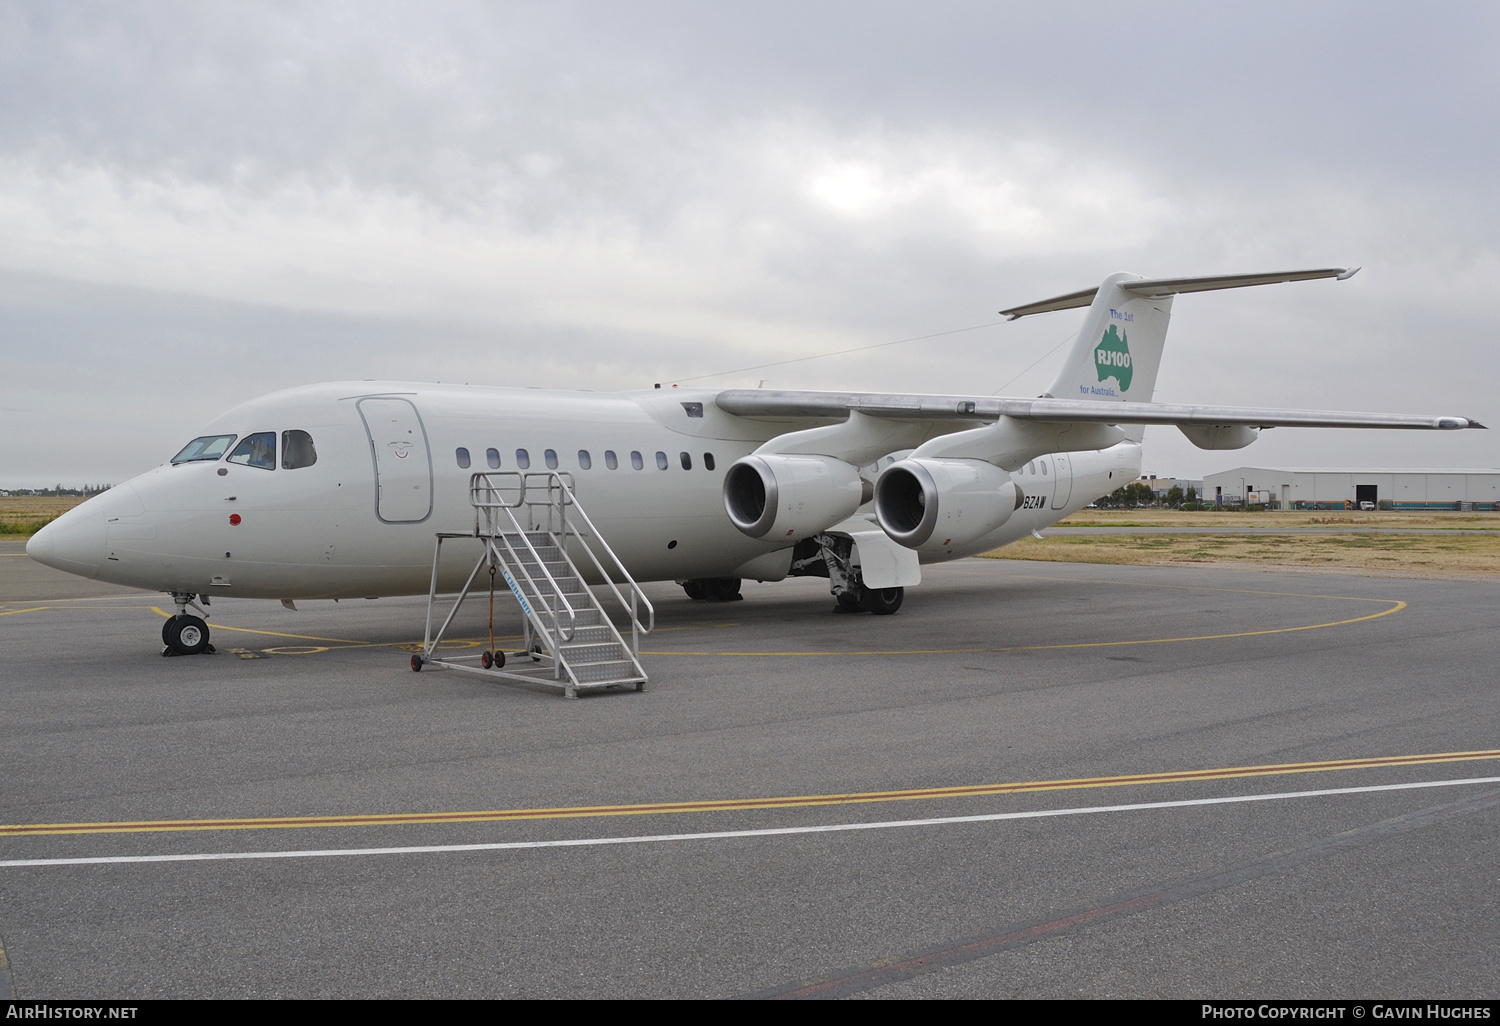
(937, 505)
(782, 497)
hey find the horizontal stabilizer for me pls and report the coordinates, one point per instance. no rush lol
(1157, 287)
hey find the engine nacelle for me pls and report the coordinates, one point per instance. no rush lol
(783, 497)
(1219, 436)
(931, 504)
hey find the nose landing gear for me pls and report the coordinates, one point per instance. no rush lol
(185, 633)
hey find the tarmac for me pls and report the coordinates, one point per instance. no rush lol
(1036, 780)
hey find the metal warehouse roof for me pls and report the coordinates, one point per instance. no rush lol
(1361, 470)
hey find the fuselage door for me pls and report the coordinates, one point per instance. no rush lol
(403, 463)
(1062, 482)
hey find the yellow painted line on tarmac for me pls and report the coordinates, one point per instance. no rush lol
(59, 609)
(33, 609)
(1396, 606)
(741, 804)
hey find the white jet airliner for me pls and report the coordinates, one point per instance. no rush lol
(337, 490)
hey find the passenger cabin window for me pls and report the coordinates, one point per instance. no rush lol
(257, 450)
(636, 461)
(585, 461)
(209, 447)
(609, 459)
(550, 456)
(708, 460)
(686, 459)
(1044, 469)
(492, 457)
(523, 460)
(661, 461)
(297, 450)
(463, 457)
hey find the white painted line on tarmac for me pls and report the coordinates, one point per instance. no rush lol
(716, 835)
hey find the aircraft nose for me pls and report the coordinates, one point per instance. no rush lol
(70, 543)
(39, 547)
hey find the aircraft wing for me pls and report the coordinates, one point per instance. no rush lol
(775, 404)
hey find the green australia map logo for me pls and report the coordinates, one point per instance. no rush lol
(1112, 357)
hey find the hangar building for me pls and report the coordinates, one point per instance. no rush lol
(1345, 488)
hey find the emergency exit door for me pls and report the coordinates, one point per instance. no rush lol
(1062, 485)
(403, 462)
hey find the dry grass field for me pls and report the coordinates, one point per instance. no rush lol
(1423, 554)
(1415, 520)
(24, 515)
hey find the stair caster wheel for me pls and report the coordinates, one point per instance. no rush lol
(536, 654)
(186, 635)
(416, 664)
(640, 686)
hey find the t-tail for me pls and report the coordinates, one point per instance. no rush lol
(1119, 347)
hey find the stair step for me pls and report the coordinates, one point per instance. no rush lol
(586, 653)
(616, 670)
(599, 633)
(584, 620)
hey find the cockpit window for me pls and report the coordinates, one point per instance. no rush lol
(257, 450)
(209, 447)
(297, 450)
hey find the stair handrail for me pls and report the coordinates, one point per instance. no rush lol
(489, 501)
(568, 498)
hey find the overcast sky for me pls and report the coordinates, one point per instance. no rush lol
(201, 203)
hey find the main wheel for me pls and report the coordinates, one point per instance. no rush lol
(722, 589)
(694, 589)
(850, 602)
(884, 601)
(187, 634)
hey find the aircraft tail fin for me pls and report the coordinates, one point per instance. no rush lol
(1119, 346)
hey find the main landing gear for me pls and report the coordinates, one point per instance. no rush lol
(823, 555)
(185, 633)
(831, 556)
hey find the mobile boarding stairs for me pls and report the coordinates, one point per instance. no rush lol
(529, 523)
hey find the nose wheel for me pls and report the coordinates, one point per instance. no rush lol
(186, 635)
